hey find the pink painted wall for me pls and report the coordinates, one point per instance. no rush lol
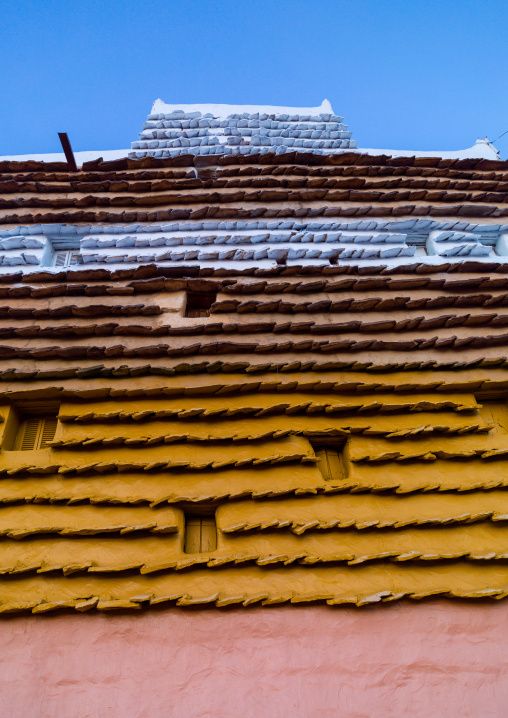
(421, 659)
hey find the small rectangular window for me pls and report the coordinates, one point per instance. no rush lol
(329, 455)
(200, 534)
(65, 258)
(199, 303)
(36, 433)
(329, 463)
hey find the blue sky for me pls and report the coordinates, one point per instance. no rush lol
(406, 74)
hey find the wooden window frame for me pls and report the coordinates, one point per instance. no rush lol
(200, 530)
(23, 411)
(35, 432)
(330, 457)
(68, 256)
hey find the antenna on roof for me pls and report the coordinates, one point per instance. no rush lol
(498, 138)
(69, 154)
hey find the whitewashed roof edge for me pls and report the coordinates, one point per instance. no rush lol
(482, 149)
(224, 110)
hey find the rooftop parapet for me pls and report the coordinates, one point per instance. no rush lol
(171, 130)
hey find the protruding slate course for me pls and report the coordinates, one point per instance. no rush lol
(246, 365)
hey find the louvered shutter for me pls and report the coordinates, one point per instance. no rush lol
(60, 259)
(31, 429)
(37, 433)
(65, 258)
(48, 431)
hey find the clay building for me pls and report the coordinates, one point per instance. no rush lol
(254, 423)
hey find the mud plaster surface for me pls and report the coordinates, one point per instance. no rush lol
(431, 659)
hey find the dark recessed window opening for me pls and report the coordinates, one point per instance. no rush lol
(200, 533)
(330, 459)
(30, 425)
(199, 303)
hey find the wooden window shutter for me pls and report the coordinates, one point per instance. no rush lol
(47, 431)
(36, 433)
(208, 533)
(30, 429)
(200, 534)
(193, 535)
(65, 258)
(60, 259)
(329, 463)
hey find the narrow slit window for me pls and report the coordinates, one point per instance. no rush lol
(36, 433)
(199, 303)
(200, 534)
